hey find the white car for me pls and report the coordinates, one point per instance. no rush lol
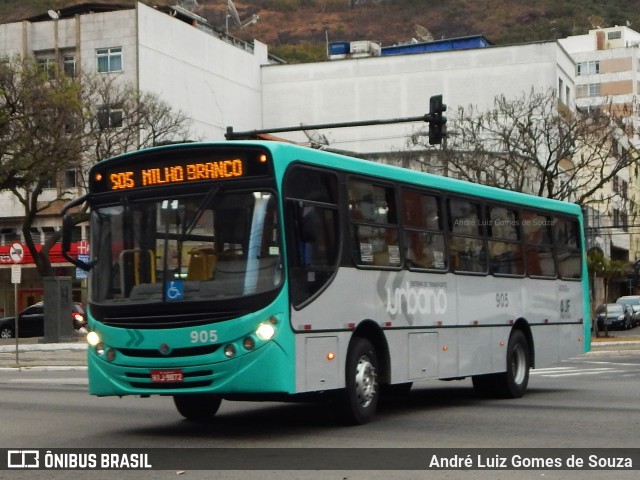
(634, 301)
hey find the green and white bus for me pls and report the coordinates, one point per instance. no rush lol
(265, 270)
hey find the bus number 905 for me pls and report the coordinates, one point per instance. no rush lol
(203, 336)
(502, 300)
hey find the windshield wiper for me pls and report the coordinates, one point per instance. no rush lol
(201, 208)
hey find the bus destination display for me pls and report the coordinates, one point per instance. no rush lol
(176, 174)
(166, 171)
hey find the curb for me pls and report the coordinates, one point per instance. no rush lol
(44, 347)
(45, 368)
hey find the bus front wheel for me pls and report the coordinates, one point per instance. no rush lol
(197, 407)
(360, 397)
(513, 382)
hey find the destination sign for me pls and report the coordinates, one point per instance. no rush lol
(168, 168)
(177, 174)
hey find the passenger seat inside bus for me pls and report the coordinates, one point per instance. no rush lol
(202, 264)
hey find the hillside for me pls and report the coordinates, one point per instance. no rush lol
(290, 25)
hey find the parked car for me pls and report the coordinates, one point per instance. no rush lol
(616, 315)
(634, 301)
(31, 321)
(78, 316)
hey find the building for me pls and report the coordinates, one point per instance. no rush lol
(607, 76)
(212, 77)
(384, 87)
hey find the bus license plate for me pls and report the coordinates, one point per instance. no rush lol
(166, 376)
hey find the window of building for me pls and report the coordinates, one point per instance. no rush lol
(70, 178)
(9, 235)
(588, 68)
(560, 89)
(588, 90)
(620, 219)
(47, 233)
(69, 65)
(109, 59)
(614, 35)
(36, 235)
(48, 66)
(49, 183)
(110, 116)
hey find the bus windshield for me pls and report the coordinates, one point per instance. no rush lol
(207, 246)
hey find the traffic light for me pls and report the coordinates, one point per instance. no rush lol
(436, 120)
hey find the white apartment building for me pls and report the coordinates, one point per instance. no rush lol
(211, 77)
(607, 75)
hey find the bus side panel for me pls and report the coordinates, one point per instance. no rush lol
(487, 308)
(401, 303)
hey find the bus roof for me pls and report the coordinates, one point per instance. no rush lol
(391, 172)
(291, 153)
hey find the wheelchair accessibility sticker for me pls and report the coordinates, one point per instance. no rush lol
(174, 290)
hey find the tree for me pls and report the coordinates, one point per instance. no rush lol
(118, 118)
(37, 113)
(534, 144)
(50, 123)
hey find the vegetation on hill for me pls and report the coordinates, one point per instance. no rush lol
(296, 29)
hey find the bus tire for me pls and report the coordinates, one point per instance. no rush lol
(197, 407)
(360, 397)
(512, 383)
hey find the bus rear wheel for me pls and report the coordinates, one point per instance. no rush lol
(197, 407)
(360, 397)
(512, 383)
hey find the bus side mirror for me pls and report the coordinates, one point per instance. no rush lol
(67, 231)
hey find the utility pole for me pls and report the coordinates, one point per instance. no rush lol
(434, 118)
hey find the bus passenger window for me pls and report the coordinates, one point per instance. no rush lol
(467, 252)
(377, 246)
(374, 229)
(505, 250)
(312, 230)
(566, 233)
(539, 256)
(423, 240)
(374, 232)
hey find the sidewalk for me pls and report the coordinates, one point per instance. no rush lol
(68, 355)
(73, 355)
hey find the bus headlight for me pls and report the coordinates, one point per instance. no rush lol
(93, 339)
(265, 331)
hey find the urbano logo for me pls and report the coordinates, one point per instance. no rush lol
(23, 459)
(417, 298)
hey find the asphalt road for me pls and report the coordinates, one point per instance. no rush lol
(589, 402)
